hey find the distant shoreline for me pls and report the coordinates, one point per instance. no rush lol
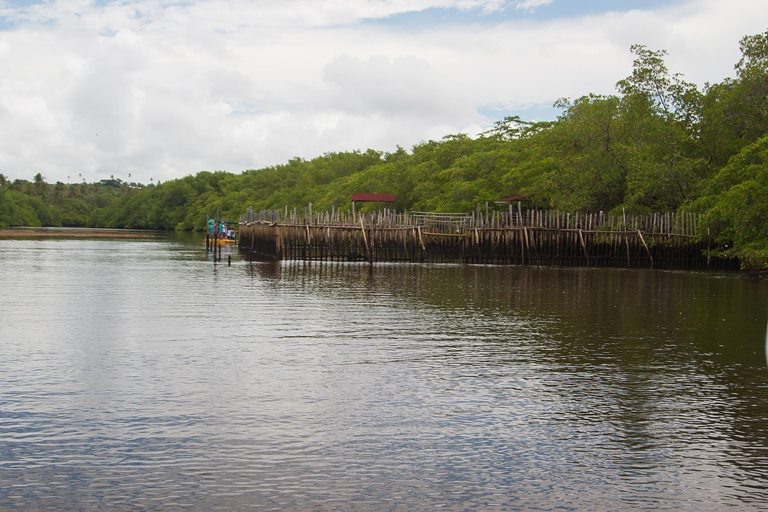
(72, 233)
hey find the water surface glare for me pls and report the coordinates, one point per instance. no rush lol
(138, 375)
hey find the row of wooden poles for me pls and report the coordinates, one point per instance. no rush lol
(509, 237)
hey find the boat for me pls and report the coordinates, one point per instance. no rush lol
(224, 241)
(219, 234)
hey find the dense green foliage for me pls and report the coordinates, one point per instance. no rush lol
(660, 144)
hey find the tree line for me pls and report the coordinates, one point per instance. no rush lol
(659, 144)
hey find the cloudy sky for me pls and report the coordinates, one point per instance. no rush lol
(166, 88)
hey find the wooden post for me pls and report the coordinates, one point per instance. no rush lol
(583, 245)
(647, 250)
(365, 241)
(523, 243)
(626, 238)
(278, 241)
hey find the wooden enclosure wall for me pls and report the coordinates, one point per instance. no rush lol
(510, 237)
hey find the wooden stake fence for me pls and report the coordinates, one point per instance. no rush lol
(531, 237)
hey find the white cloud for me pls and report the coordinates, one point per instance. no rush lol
(164, 89)
(529, 5)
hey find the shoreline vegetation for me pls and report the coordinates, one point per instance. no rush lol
(661, 144)
(57, 232)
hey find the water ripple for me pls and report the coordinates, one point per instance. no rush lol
(136, 375)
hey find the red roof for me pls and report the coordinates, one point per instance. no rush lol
(373, 198)
(513, 198)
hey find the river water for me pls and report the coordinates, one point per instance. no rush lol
(139, 375)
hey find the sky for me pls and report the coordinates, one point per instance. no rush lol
(151, 90)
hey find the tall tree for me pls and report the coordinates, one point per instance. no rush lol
(663, 114)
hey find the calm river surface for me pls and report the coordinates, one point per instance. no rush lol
(138, 375)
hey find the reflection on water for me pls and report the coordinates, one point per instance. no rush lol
(138, 374)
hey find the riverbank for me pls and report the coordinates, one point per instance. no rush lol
(72, 233)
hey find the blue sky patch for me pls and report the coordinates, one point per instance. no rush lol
(432, 17)
(16, 4)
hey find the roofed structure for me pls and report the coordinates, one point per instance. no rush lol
(373, 198)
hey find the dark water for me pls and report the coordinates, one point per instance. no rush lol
(136, 375)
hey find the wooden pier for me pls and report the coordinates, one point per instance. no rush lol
(510, 237)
